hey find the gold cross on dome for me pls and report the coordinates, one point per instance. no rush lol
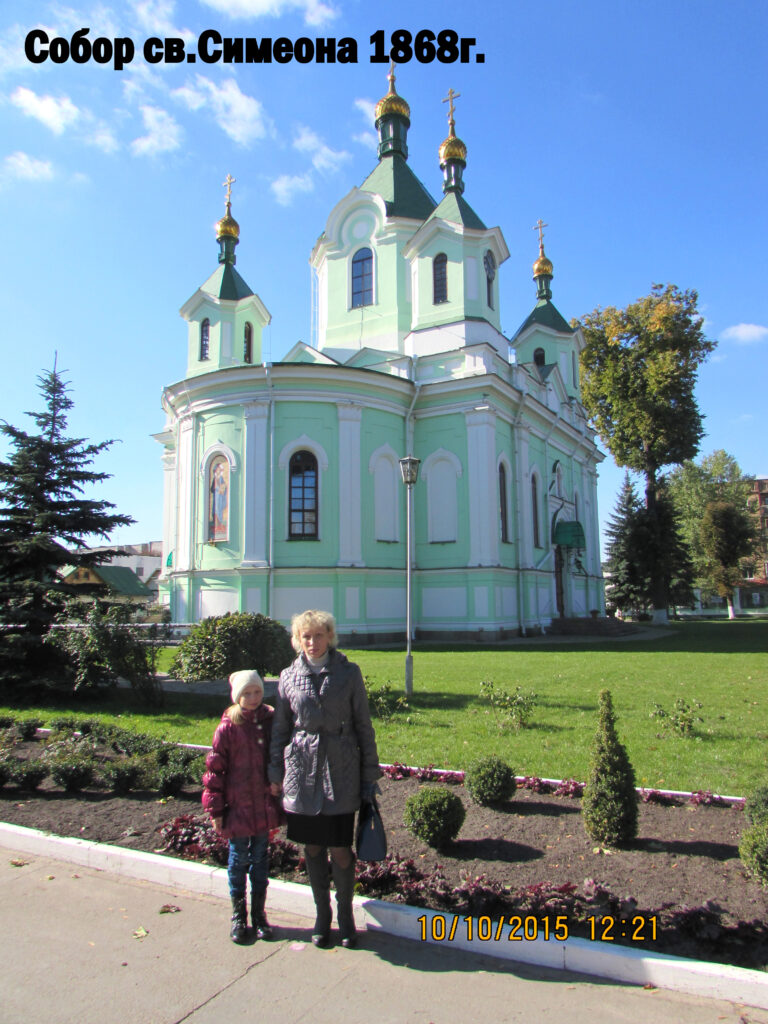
(229, 182)
(449, 100)
(539, 226)
(391, 75)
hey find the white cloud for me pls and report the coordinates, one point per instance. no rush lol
(367, 139)
(323, 157)
(102, 137)
(287, 186)
(56, 114)
(315, 12)
(745, 334)
(240, 117)
(367, 109)
(12, 56)
(155, 17)
(163, 133)
(22, 167)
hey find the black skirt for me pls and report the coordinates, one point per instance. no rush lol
(321, 829)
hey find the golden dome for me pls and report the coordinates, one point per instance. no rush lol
(542, 266)
(392, 103)
(228, 227)
(452, 149)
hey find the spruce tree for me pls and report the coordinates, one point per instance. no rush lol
(44, 521)
(609, 804)
(625, 588)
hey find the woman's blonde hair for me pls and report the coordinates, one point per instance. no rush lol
(312, 619)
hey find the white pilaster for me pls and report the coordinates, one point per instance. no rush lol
(350, 534)
(482, 486)
(185, 490)
(523, 497)
(255, 484)
(169, 509)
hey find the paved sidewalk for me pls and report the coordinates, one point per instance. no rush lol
(79, 945)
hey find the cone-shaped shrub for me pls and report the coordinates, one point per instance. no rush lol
(609, 804)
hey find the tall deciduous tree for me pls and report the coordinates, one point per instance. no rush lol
(727, 535)
(692, 486)
(44, 519)
(639, 369)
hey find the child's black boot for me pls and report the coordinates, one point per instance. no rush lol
(261, 927)
(239, 930)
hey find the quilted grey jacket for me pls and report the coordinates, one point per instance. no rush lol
(323, 743)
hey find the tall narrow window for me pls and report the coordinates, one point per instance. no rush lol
(205, 334)
(489, 262)
(362, 278)
(535, 511)
(503, 518)
(248, 344)
(303, 503)
(539, 357)
(440, 278)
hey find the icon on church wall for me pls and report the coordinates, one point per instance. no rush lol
(218, 500)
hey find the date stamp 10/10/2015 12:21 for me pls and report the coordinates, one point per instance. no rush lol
(452, 927)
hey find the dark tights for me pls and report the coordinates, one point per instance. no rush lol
(341, 855)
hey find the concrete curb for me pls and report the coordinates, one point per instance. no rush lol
(617, 963)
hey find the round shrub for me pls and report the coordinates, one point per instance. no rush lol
(29, 774)
(123, 776)
(753, 850)
(434, 815)
(63, 724)
(5, 770)
(7, 721)
(73, 772)
(756, 806)
(489, 780)
(171, 779)
(223, 644)
(27, 727)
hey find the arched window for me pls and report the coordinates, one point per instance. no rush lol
(440, 278)
(362, 278)
(489, 262)
(248, 343)
(303, 496)
(205, 334)
(503, 517)
(535, 511)
(539, 357)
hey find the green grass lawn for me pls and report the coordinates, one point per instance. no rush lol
(724, 665)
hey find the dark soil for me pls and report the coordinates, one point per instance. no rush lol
(683, 865)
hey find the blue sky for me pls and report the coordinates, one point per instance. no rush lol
(636, 130)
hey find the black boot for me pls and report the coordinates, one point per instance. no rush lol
(344, 880)
(239, 931)
(317, 869)
(261, 927)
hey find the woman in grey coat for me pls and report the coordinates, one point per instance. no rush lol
(324, 761)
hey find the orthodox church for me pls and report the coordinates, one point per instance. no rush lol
(283, 488)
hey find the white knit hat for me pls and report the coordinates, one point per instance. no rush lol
(239, 680)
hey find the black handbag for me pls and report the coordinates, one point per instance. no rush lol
(371, 839)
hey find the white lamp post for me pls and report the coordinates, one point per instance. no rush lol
(409, 468)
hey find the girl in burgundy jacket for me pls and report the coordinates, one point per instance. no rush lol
(236, 794)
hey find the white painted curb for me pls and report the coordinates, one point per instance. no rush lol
(618, 963)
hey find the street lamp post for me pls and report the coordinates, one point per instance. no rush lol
(409, 469)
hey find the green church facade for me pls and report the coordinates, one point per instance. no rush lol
(282, 480)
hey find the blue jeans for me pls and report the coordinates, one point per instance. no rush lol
(248, 855)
